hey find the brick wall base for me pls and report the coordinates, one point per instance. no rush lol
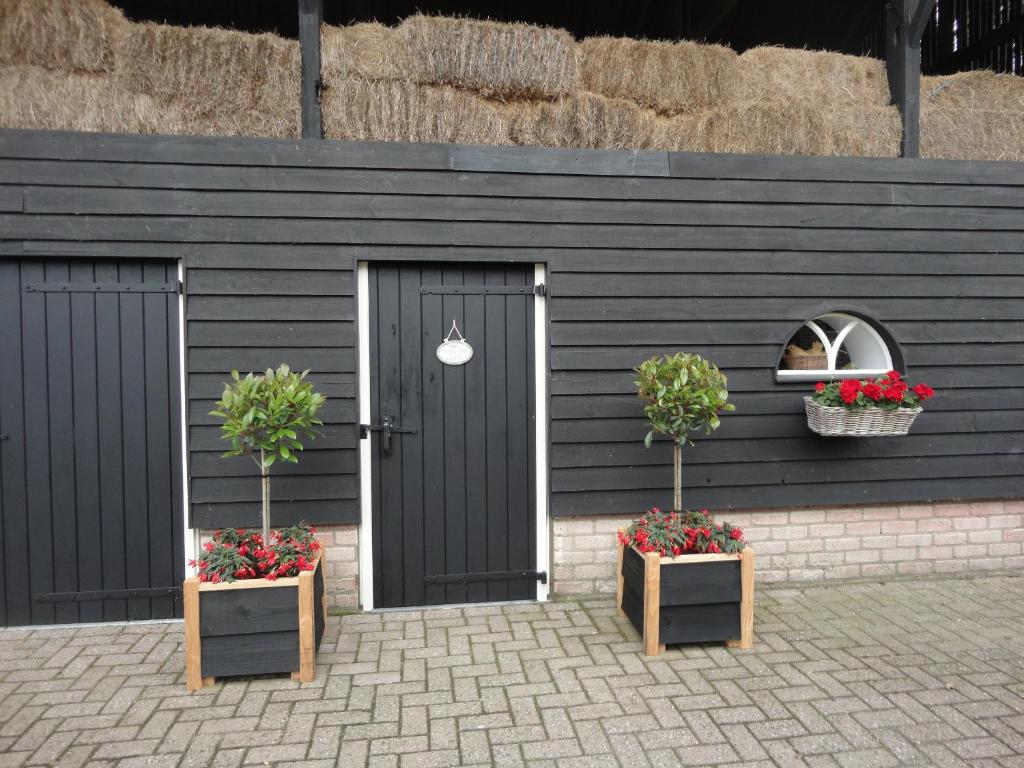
(816, 544)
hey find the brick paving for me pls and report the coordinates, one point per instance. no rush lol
(927, 673)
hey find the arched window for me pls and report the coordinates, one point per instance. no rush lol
(836, 345)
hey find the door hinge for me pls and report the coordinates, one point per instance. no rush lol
(107, 594)
(174, 287)
(461, 578)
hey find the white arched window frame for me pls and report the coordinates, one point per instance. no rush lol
(866, 347)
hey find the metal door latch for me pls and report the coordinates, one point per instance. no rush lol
(386, 428)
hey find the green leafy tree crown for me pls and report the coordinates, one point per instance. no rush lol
(265, 415)
(681, 393)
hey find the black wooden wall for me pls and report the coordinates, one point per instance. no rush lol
(646, 252)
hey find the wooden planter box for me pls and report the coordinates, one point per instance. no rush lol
(687, 599)
(254, 627)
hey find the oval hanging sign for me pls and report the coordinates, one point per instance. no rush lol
(454, 351)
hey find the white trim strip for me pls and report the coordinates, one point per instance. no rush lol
(365, 457)
(191, 537)
(540, 390)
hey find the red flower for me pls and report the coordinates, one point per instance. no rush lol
(872, 391)
(215, 578)
(713, 547)
(819, 387)
(271, 576)
(894, 375)
(893, 393)
(676, 549)
(208, 546)
(736, 534)
(923, 391)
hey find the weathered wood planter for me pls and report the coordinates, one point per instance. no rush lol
(687, 599)
(254, 627)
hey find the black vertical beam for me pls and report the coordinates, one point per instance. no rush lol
(311, 14)
(905, 23)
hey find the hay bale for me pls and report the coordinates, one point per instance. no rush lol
(582, 121)
(77, 35)
(778, 128)
(972, 134)
(980, 89)
(500, 61)
(807, 77)
(669, 78)
(212, 70)
(363, 110)
(41, 99)
(370, 51)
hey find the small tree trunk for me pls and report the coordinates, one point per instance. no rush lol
(677, 496)
(265, 481)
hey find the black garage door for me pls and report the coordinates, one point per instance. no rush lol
(453, 482)
(90, 458)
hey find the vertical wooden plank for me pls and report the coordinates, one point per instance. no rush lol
(518, 382)
(132, 364)
(746, 640)
(310, 18)
(433, 439)
(495, 335)
(389, 401)
(157, 392)
(15, 604)
(454, 409)
(652, 603)
(410, 445)
(193, 649)
(110, 446)
(37, 443)
(376, 516)
(619, 581)
(59, 391)
(476, 440)
(86, 436)
(307, 641)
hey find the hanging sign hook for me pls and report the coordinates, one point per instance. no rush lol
(454, 351)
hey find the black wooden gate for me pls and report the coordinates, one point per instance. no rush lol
(90, 458)
(453, 448)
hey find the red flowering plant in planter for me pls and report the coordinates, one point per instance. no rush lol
(865, 407)
(888, 392)
(671, 534)
(239, 553)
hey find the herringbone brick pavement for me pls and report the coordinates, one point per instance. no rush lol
(907, 673)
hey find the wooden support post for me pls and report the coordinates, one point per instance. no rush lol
(307, 630)
(620, 582)
(311, 15)
(746, 640)
(652, 603)
(193, 649)
(905, 23)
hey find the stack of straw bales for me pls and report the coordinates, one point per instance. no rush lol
(973, 116)
(80, 65)
(530, 85)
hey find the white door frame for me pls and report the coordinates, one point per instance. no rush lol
(366, 574)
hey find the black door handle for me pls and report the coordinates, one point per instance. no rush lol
(386, 428)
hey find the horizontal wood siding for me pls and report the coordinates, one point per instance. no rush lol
(646, 252)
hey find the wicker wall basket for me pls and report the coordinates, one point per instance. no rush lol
(805, 362)
(867, 422)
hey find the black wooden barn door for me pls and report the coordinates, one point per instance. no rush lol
(453, 494)
(90, 461)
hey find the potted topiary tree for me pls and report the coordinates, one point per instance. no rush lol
(712, 598)
(258, 604)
